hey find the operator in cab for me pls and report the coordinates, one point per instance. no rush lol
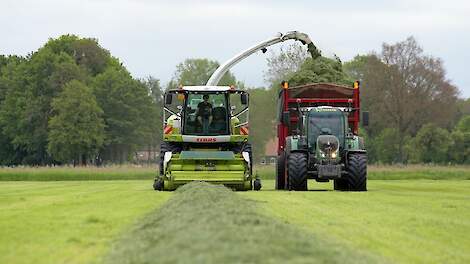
(204, 113)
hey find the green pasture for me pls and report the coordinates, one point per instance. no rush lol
(89, 221)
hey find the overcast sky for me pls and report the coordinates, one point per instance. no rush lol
(151, 37)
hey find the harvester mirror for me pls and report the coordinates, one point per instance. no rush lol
(168, 98)
(365, 118)
(286, 118)
(244, 98)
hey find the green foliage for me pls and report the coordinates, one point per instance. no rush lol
(464, 124)
(321, 69)
(431, 144)
(263, 103)
(76, 131)
(28, 86)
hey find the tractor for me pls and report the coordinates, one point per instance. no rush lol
(318, 126)
(205, 138)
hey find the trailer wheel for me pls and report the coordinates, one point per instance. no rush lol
(297, 171)
(280, 172)
(357, 172)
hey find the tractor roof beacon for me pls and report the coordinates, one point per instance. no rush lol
(318, 127)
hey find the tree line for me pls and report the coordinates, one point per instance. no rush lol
(72, 102)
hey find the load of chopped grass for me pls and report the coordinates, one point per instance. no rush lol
(205, 223)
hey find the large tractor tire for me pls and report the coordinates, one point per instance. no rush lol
(297, 171)
(280, 172)
(357, 172)
(165, 147)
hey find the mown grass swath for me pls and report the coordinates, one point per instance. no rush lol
(204, 223)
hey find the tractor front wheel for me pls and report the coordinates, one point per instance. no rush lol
(357, 172)
(297, 171)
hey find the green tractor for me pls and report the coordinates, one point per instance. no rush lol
(318, 137)
(205, 138)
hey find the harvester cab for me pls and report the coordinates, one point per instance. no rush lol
(318, 137)
(205, 138)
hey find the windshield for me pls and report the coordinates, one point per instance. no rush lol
(328, 122)
(206, 114)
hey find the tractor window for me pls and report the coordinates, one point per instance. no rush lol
(206, 114)
(238, 114)
(174, 109)
(325, 123)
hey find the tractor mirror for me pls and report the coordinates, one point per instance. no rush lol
(168, 98)
(365, 118)
(244, 98)
(286, 118)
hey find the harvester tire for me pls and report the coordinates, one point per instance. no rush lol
(158, 185)
(297, 171)
(357, 172)
(257, 185)
(280, 172)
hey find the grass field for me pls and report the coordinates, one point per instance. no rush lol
(127, 172)
(68, 222)
(402, 221)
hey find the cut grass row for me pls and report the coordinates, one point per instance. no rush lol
(204, 223)
(264, 172)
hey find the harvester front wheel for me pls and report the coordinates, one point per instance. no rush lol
(280, 172)
(357, 172)
(158, 185)
(257, 185)
(297, 171)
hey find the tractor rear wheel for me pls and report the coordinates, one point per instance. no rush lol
(280, 172)
(297, 171)
(357, 172)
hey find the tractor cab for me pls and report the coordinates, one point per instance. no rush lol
(196, 112)
(325, 125)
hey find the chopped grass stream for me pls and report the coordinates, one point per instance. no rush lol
(203, 223)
